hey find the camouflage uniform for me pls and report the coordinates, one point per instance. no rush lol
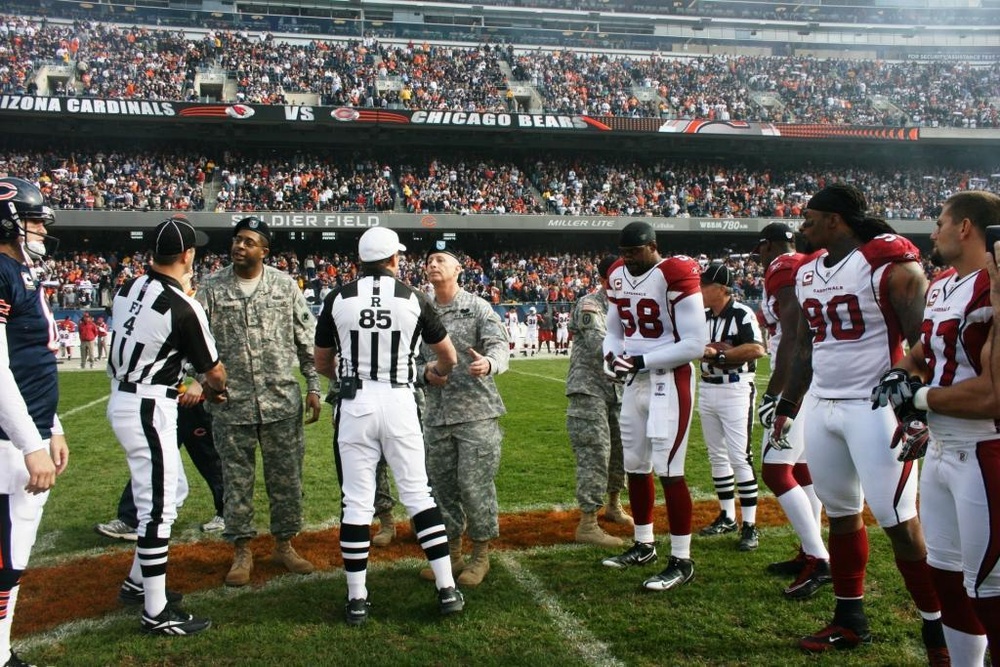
(260, 338)
(461, 421)
(594, 405)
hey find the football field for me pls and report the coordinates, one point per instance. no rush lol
(546, 601)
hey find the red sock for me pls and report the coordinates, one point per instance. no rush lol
(679, 507)
(641, 496)
(917, 577)
(848, 559)
(957, 611)
(988, 610)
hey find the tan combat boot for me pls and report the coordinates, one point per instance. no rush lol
(476, 569)
(588, 532)
(457, 562)
(386, 531)
(284, 554)
(615, 512)
(239, 573)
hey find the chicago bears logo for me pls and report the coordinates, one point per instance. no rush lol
(7, 191)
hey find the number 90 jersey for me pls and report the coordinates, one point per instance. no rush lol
(646, 304)
(856, 333)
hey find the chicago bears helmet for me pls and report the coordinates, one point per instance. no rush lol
(20, 201)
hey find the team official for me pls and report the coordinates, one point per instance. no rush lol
(158, 329)
(726, 402)
(656, 328)
(374, 324)
(944, 384)
(33, 449)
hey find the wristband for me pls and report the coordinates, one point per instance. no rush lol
(920, 398)
(720, 357)
(787, 408)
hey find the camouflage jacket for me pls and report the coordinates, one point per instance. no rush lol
(260, 340)
(470, 322)
(586, 363)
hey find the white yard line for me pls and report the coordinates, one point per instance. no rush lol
(85, 406)
(577, 636)
(541, 377)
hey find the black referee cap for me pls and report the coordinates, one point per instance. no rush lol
(175, 235)
(717, 274)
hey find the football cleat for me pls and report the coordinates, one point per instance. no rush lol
(789, 568)
(835, 637)
(678, 572)
(133, 593)
(356, 611)
(722, 525)
(450, 600)
(638, 554)
(815, 574)
(173, 621)
(15, 661)
(749, 537)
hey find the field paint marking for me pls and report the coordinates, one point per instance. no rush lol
(591, 649)
(541, 377)
(85, 406)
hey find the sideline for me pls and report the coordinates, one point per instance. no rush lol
(85, 406)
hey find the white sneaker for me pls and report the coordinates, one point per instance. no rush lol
(215, 525)
(117, 530)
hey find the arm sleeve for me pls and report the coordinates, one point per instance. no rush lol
(196, 339)
(326, 330)
(689, 322)
(614, 336)
(14, 416)
(431, 328)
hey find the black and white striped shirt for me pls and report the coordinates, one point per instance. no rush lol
(157, 329)
(375, 324)
(736, 324)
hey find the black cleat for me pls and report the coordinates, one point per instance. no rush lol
(815, 574)
(835, 637)
(678, 572)
(638, 554)
(749, 537)
(450, 600)
(15, 661)
(173, 621)
(722, 525)
(132, 593)
(789, 568)
(356, 611)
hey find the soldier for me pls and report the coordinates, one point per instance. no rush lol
(592, 419)
(461, 424)
(263, 326)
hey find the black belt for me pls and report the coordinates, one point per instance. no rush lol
(721, 379)
(133, 388)
(395, 385)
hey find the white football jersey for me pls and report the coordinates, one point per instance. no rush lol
(957, 320)
(562, 321)
(531, 321)
(856, 334)
(780, 273)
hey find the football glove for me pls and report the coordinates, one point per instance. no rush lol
(765, 411)
(778, 439)
(911, 436)
(623, 366)
(893, 389)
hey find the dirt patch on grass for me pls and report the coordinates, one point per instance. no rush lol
(88, 587)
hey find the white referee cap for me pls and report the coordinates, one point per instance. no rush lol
(379, 243)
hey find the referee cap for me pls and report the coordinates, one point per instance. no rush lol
(379, 243)
(717, 274)
(175, 235)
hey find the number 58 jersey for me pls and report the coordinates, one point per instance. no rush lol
(856, 333)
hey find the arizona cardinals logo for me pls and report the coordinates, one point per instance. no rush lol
(7, 191)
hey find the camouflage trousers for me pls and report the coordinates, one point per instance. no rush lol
(384, 502)
(462, 462)
(282, 449)
(596, 438)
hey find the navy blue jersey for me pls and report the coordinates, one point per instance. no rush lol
(32, 342)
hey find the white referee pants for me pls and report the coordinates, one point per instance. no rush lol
(726, 418)
(381, 419)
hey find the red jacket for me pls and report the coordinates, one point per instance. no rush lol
(88, 331)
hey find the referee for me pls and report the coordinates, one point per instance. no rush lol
(157, 329)
(374, 324)
(726, 401)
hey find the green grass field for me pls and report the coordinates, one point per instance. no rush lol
(546, 606)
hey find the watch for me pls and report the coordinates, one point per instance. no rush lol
(720, 357)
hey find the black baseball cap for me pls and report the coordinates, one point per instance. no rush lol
(717, 274)
(175, 235)
(776, 231)
(254, 224)
(635, 234)
(605, 265)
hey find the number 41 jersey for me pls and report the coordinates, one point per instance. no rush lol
(856, 333)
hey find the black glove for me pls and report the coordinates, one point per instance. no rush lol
(765, 411)
(913, 435)
(893, 389)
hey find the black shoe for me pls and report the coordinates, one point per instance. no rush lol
(837, 637)
(450, 600)
(815, 574)
(749, 537)
(789, 568)
(174, 621)
(132, 593)
(722, 525)
(638, 554)
(15, 661)
(678, 572)
(356, 611)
